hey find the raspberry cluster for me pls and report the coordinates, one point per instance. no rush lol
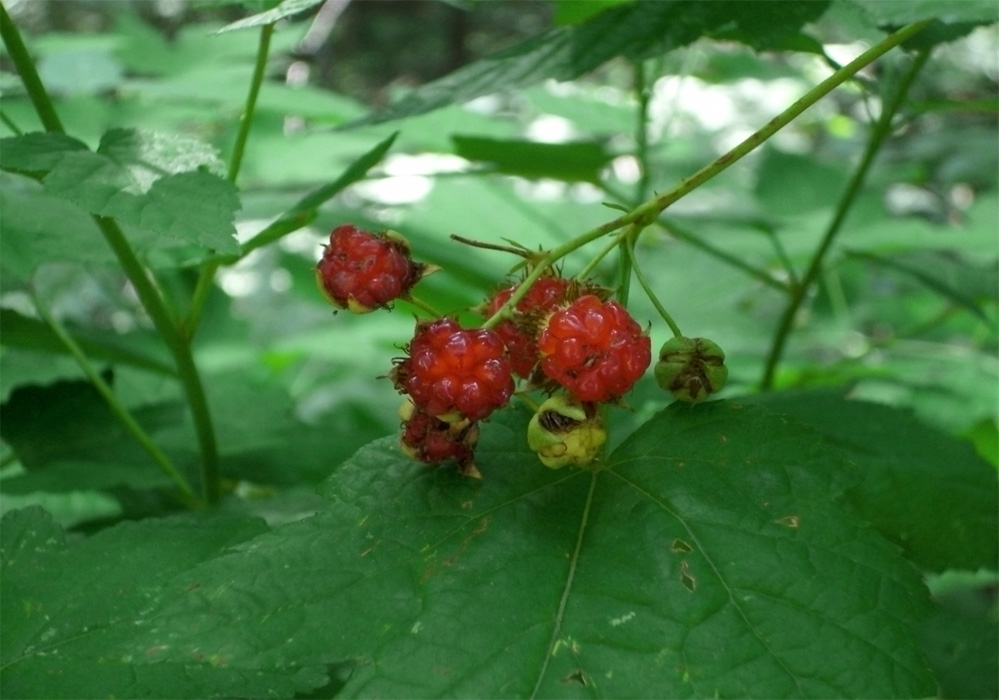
(563, 337)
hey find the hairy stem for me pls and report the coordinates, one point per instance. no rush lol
(206, 276)
(880, 131)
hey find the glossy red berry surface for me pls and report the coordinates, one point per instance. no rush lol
(452, 370)
(362, 271)
(594, 349)
(520, 335)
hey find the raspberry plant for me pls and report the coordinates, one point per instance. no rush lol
(517, 477)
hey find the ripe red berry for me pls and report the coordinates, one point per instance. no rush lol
(519, 334)
(454, 371)
(361, 271)
(594, 349)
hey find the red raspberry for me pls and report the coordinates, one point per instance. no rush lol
(452, 370)
(361, 271)
(519, 334)
(594, 349)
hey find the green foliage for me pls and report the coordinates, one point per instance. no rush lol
(204, 493)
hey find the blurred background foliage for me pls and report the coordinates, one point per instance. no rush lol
(906, 313)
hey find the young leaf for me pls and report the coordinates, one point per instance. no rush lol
(925, 490)
(67, 609)
(707, 559)
(636, 31)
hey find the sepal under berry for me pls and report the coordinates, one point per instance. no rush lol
(691, 369)
(565, 431)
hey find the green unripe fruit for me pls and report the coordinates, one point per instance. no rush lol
(565, 431)
(691, 368)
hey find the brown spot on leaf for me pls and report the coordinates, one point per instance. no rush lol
(679, 546)
(577, 676)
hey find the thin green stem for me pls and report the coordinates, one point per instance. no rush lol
(651, 209)
(179, 348)
(206, 276)
(119, 410)
(658, 204)
(674, 328)
(879, 133)
(423, 306)
(19, 55)
(246, 119)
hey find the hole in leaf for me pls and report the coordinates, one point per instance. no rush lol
(679, 546)
(687, 579)
(577, 676)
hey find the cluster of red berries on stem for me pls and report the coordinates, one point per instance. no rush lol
(564, 337)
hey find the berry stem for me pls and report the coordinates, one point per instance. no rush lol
(519, 251)
(206, 276)
(674, 328)
(879, 133)
(422, 305)
(117, 408)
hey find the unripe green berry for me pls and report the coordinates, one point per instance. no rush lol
(565, 431)
(691, 368)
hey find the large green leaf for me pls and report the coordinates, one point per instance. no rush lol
(161, 184)
(66, 609)
(37, 152)
(925, 490)
(704, 560)
(635, 31)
